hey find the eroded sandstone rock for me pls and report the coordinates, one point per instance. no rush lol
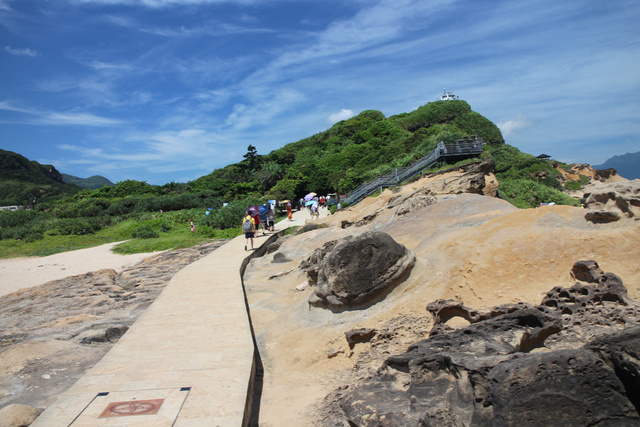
(356, 270)
(586, 372)
(614, 201)
(564, 387)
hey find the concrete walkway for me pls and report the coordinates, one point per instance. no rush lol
(189, 360)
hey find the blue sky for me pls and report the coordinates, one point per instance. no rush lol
(169, 90)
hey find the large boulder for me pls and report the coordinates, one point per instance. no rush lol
(614, 201)
(356, 271)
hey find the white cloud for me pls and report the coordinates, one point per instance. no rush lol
(60, 118)
(513, 125)
(21, 52)
(344, 114)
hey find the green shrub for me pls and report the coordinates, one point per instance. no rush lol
(572, 185)
(231, 215)
(76, 226)
(144, 232)
(528, 194)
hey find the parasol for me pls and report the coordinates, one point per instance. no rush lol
(253, 210)
(309, 197)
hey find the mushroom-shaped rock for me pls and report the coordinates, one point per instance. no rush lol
(360, 269)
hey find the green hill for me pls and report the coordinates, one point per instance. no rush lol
(91, 183)
(23, 180)
(350, 152)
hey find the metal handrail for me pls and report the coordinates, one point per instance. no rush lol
(458, 148)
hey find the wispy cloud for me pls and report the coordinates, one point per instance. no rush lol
(20, 51)
(61, 118)
(187, 151)
(382, 22)
(264, 107)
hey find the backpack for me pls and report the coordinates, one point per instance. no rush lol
(246, 226)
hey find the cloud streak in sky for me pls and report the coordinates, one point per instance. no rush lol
(60, 118)
(21, 52)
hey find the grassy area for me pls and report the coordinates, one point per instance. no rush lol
(168, 235)
(173, 241)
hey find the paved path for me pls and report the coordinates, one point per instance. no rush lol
(187, 361)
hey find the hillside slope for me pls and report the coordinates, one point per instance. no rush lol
(92, 183)
(350, 152)
(23, 180)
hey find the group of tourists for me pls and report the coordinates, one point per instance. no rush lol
(263, 216)
(313, 202)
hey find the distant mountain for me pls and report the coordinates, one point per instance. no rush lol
(91, 183)
(627, 165)
(23, 180)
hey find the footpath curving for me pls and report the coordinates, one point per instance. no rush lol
(189, 360)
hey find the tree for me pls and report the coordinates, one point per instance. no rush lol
(251, 157)
(270, 173)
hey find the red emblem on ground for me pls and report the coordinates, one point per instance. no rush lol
(133, 407)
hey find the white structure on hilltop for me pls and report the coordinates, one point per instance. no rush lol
(448, 96)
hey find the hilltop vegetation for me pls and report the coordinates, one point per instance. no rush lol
(350, 152)
(336, 160)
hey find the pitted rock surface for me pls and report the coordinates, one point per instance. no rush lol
(357, 270)
(586, 370)
(564, 387)
(614, 201)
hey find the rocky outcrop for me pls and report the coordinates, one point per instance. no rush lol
(572, 360)
(412, 202)
(564, 387)
(476, 178)
(355, 271)
(614, 201)
(603, 175)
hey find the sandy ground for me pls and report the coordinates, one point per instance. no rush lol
(18, 273)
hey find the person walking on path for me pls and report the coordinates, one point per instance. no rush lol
(249, 229)
(289, 212)
(271, 220)
(262, 215)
